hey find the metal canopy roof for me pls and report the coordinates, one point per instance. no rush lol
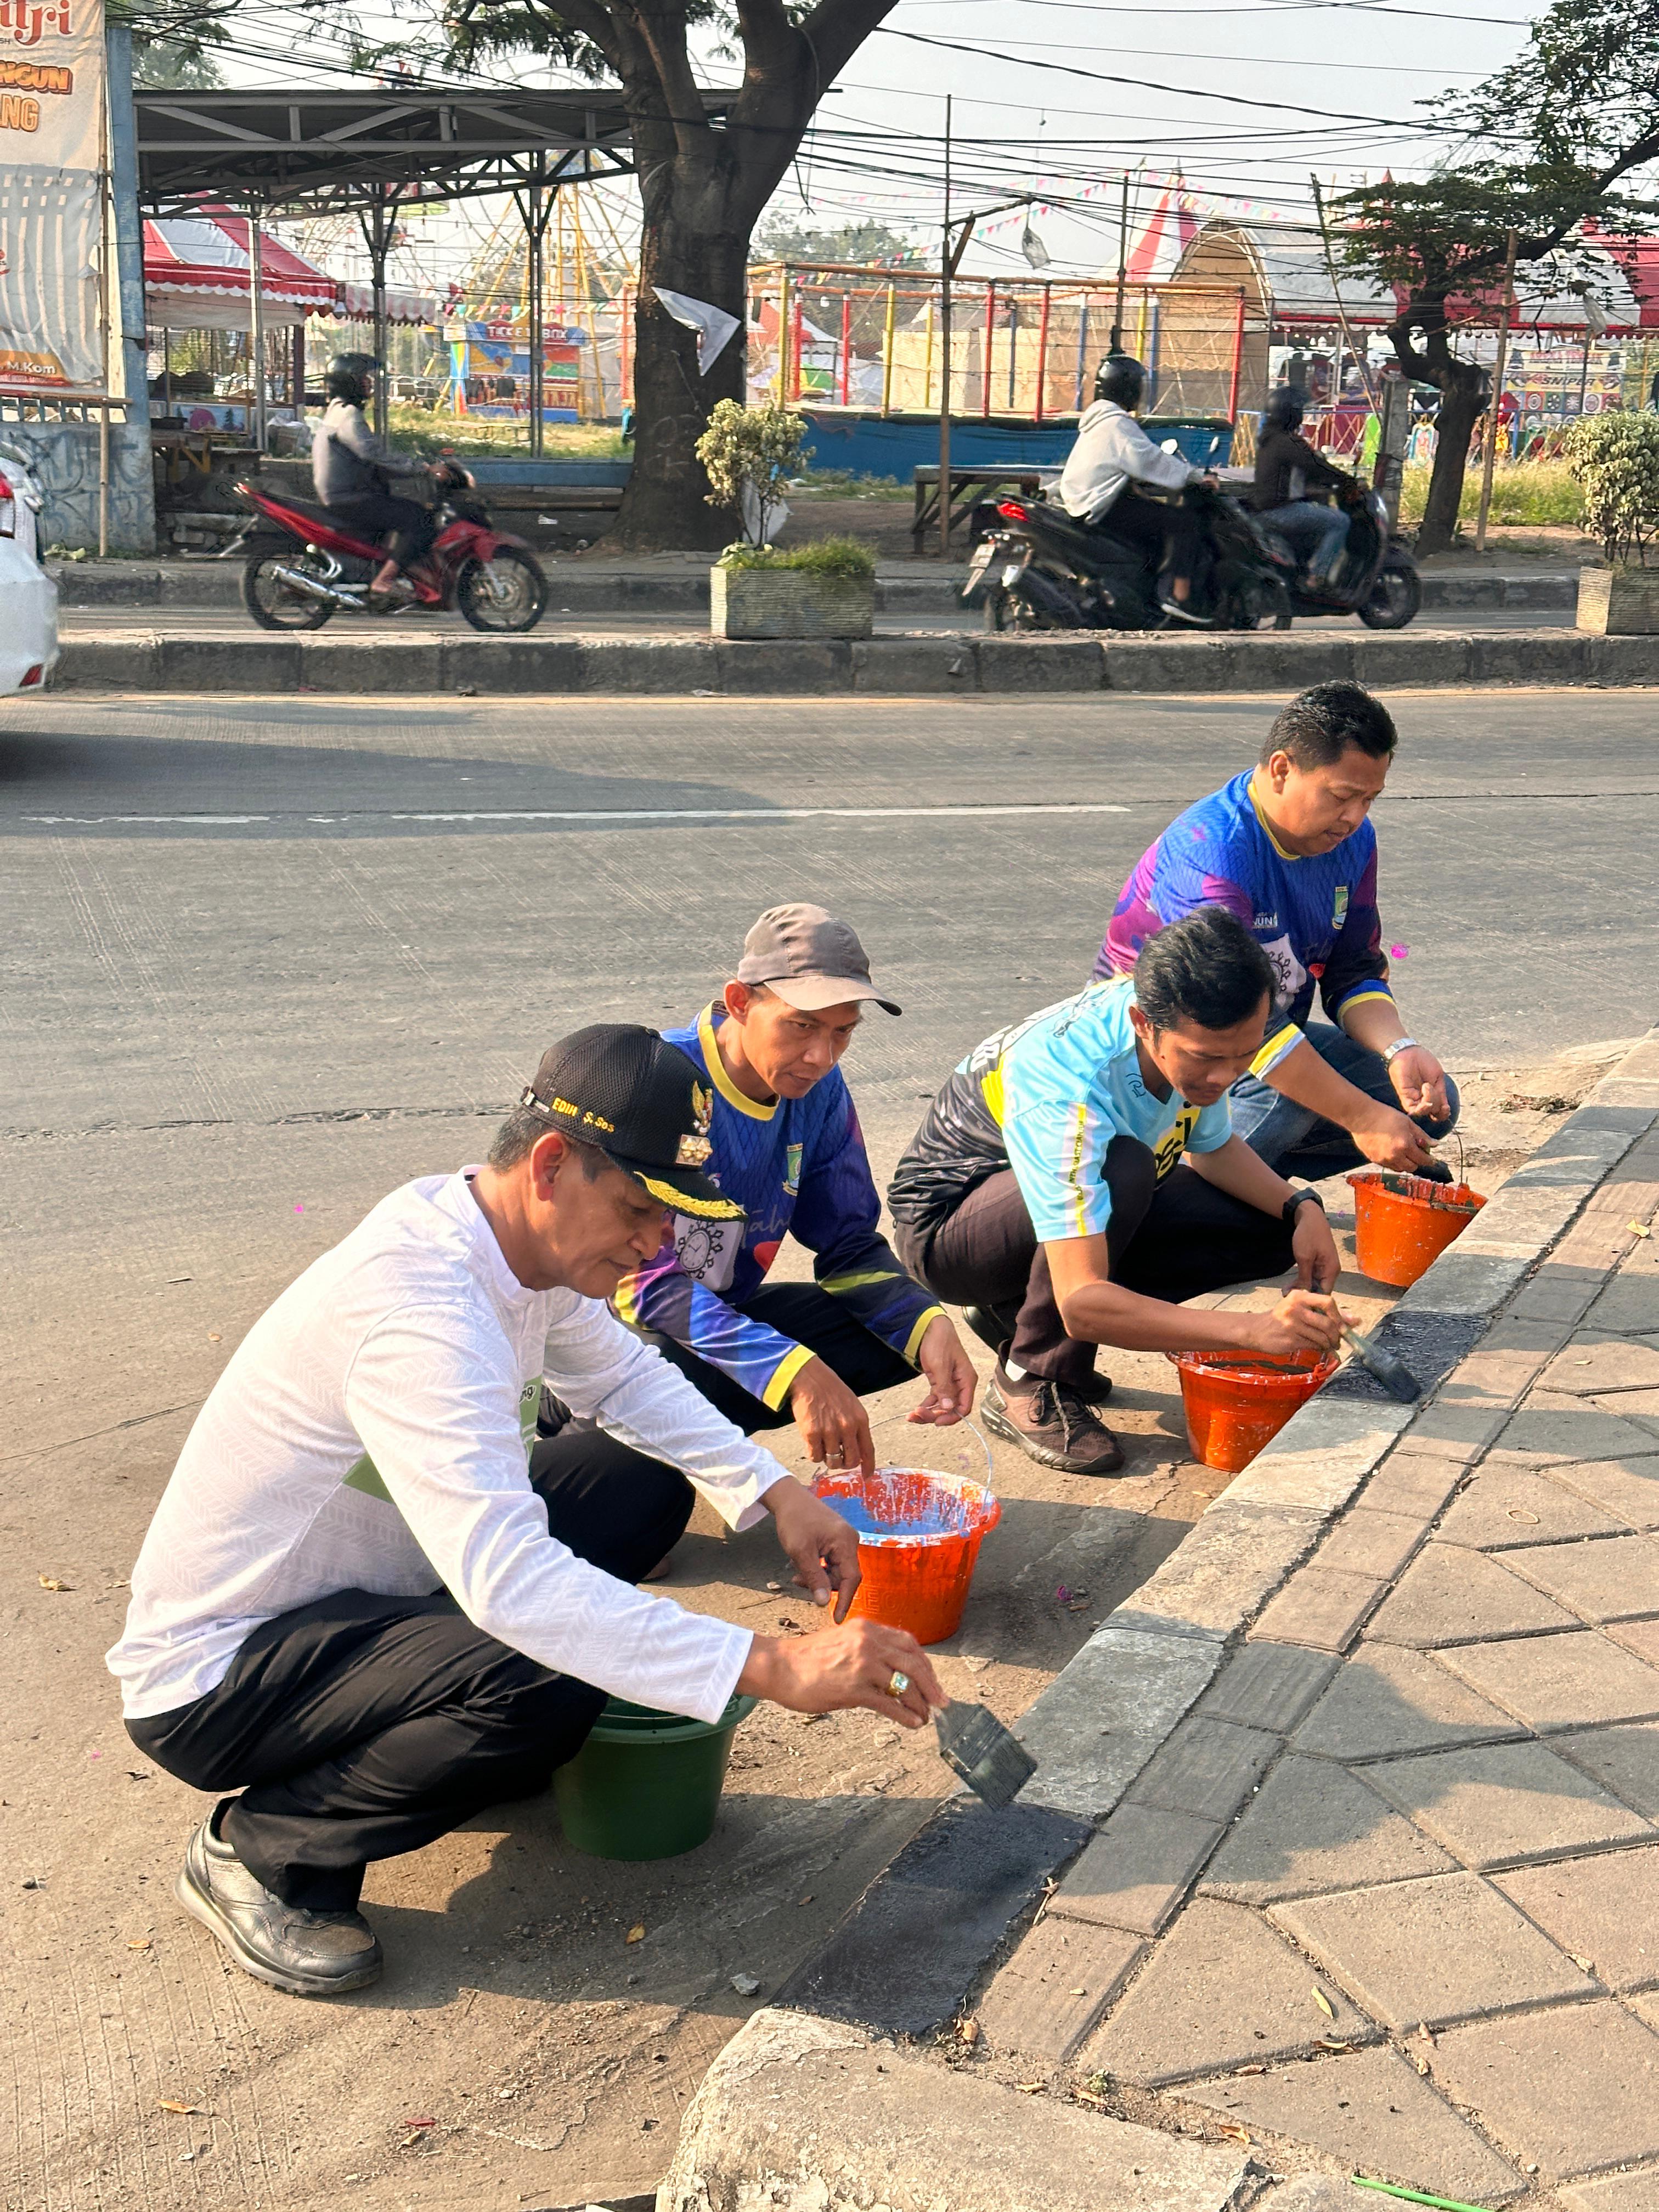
(342, 147)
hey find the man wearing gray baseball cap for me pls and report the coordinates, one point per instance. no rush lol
(786, 1146)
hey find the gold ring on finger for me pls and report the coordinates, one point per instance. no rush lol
(897, 1684)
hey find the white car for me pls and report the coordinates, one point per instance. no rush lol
(29, 598)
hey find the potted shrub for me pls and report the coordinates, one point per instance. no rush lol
(826, 589)
(1615, 457)
(822, 590)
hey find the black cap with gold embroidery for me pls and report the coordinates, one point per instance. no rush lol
(639, 1101)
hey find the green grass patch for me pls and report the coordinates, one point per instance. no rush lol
(844, 558)
(418, 430)
(842, 484)
(1525, 495)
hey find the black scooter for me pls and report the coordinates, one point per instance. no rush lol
(1035, 567)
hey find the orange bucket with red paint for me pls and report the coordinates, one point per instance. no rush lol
(1403, 1223)
(1237, 1402)
(919, 1538)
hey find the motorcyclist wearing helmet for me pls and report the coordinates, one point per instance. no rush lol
(1112, 455)
(350, 466)
(1286, 468)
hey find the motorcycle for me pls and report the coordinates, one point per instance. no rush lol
(302, 567)
(1035, 567)
(1376, 579)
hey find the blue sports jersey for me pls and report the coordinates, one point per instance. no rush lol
(797, 1167)
(1315, 917)
(1046, 1097)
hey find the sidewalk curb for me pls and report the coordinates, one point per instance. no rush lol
(600, 590)
(921, 663)
(1151, 1660)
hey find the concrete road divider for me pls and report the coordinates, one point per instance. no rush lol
(919, 663)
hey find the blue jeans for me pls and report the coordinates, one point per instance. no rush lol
(1294, 1139)
(1317, 532)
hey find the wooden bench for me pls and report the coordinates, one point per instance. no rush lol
(968, 485)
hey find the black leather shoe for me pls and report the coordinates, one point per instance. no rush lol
(309, 1955)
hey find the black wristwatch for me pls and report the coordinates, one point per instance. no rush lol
(1287, 1211)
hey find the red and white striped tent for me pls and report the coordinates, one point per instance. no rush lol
(1164, 235)
(196, 276)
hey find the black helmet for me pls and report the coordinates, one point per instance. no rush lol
(1122, 379)
(1286, 408)
(346, 376)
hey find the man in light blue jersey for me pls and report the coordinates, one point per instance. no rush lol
(1078, 1176)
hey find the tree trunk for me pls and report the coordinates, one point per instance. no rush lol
(1463, 402)
(691, 245)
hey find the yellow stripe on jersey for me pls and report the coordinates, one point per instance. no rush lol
(1073, 1173)
(1278, 1043)
(990, 1085)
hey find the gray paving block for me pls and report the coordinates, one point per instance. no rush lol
(1032, 663)
(902, 1960)
(1415, 1485)
(1371, 1543)
(1461, 1282)
(1628, 1306)
(1049, 1994)
(1641, 1637)
(1372, 2111)
(788, 666)
(1562, 1682)
(1560, 1294)
(1573, 2089)
(1590, 1364)
(1628, 1488)
(1107, 1711)
(1542, 1435)
(799, 2114)
(1207, 1768)
(1446, 1948)
(900, 665)
(1221, 1989)
(1449, 1595)
(1137, 1870)
(1497, 1804)
(1624, 1761)
(1605, 1909)
(1387, 1699)
(1321, 1606)
(1267, 1686)
(1506, 1507)
(1600, 1578)
(1322, 1454)
(1235, 1558)
(1314, 1827)
(1630, 2191)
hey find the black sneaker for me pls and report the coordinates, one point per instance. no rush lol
(1094, 1390)
(1051, 1423)
(1183, 611)
(309, 1955)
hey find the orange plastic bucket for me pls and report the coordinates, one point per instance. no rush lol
(1237, 1402)
(919, 1539)
(1399, 1232)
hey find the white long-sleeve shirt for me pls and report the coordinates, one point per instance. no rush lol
(1112, 450)
(370, 1433)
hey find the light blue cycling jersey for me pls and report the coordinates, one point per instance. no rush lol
(1046, 1097)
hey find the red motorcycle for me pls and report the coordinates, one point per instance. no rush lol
(302, 567)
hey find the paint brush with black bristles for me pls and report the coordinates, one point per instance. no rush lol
(973, 1741)
(1393, 1374)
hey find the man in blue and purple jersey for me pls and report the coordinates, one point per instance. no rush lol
(1288, 847)
(787, 1147)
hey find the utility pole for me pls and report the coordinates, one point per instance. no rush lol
(1492, 410)
(947, 270)
(1117, 345)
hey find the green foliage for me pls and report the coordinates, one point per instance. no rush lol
(847, 559)
(805, 243)
(1525, 495)
(172, 41)
(751, 450)
(1615, 458)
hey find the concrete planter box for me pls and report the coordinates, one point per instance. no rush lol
(1618, 602)
(789, 602)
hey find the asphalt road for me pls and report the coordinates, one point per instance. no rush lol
(261, 961)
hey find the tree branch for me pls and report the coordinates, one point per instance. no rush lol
(595, 22)
(838, 28)
(662, 33)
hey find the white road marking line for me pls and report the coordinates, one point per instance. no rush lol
(572, 814)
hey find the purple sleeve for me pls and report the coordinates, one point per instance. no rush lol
(1164, 887)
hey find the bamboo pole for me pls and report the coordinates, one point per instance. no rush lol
(1238, 359)
(783, 332)
(1043, 348)
(887, 352)
(844, 381)
(990, 325)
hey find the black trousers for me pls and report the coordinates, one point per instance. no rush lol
(361, 1726)
(1171, 1240)
(405, 528)
(1166, 535)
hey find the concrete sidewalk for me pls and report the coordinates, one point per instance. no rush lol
(1344, 1855)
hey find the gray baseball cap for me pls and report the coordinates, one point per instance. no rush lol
(809, 958)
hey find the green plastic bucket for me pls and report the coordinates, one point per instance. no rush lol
(645, 1784)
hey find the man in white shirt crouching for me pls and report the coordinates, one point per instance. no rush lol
(353, 1607)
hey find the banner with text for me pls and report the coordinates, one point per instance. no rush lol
(51, 154)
